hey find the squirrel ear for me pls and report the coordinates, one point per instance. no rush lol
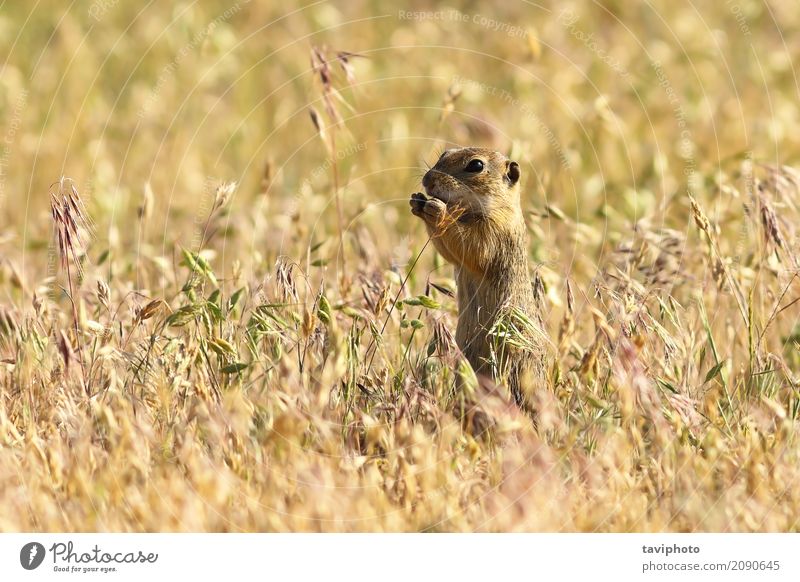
(512, 172)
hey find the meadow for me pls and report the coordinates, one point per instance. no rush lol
(218, 314)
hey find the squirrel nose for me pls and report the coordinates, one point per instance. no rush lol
(427, 179)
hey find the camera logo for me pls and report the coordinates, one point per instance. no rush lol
(31, 555)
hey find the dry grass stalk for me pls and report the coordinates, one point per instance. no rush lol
(321, 66)
(719, 267)
(73, 229)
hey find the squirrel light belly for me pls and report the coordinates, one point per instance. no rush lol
(472, 213)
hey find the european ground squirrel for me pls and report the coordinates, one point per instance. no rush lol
(472, 213)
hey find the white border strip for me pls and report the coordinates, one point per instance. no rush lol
(401, 557)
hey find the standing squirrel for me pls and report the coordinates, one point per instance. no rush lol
(472, 213)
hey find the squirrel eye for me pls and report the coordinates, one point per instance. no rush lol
(474, 166)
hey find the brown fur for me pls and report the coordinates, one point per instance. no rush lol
(476, 222)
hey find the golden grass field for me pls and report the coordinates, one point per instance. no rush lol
(218, 314)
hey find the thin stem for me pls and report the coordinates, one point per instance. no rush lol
(396, 297)
(340, 217)
(78, 343)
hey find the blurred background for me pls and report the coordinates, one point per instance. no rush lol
(607, 107)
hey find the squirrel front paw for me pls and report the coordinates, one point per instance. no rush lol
(431, 210)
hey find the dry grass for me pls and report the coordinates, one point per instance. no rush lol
(203, 361)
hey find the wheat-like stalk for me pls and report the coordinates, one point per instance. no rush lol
(73, 230)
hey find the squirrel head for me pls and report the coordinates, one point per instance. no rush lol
(483, 183)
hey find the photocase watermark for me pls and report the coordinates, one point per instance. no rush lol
(524, 108)
(568, 18)
(749, 179)
(458, 16)
(9, 139)
(100, 8)
(741, 19)
(338, 156)
(686, 145)
(168, 70)
(323, 169)
(31, 555)
(66, 558)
